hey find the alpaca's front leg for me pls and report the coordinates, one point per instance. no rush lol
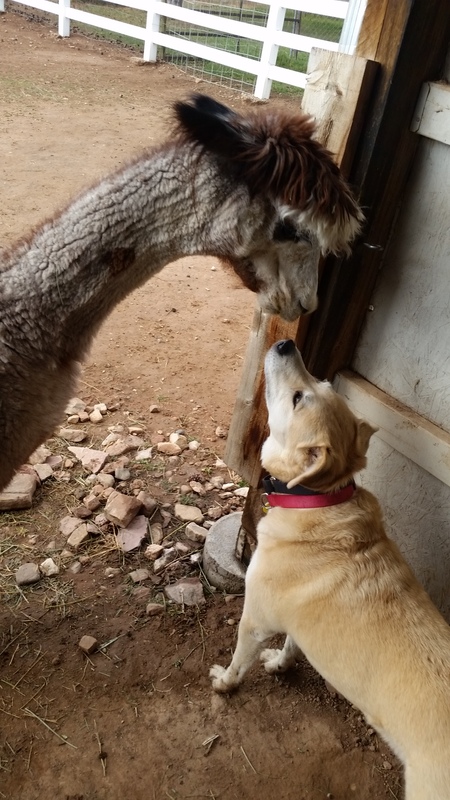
(250, 642)
(281, 660)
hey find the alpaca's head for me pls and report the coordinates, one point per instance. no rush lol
(298, 203)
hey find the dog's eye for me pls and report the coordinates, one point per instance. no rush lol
(297, 397)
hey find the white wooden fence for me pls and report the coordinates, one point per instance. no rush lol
(271, 36)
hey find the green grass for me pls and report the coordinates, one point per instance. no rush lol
(326, 28)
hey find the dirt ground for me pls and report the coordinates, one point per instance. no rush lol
(139, 719)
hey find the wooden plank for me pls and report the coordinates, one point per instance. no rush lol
(338, 87)
(371, 31)
(432, 114)
(248, 423)
(410, 41)
(399, 426)
(336, 98)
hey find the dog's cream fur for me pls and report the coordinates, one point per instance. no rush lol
(339, 588)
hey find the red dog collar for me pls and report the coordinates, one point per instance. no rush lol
(301, 497)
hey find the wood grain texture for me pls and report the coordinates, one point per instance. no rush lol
(336, 96)
(400, 427)
(410, 44)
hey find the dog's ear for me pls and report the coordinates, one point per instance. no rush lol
(315, 460)
(363, 433)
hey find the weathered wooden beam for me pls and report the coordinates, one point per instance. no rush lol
(410, 40)
(420, 440)
(432, 114)
(336, 95)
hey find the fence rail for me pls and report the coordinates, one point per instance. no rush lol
(270, 36)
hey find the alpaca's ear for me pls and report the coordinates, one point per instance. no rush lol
(315, 460)
(211, 124)
(275, 154)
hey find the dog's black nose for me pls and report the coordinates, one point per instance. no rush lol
(285, 347)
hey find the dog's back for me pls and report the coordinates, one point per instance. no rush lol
(346, 596)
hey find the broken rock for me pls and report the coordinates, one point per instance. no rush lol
(144, 455)
(122, 474)
(196, 533)
(149, 503)
(141, 592)
(139, 575)
(82, 512)
(170, 554)
(27, 573)
(72, 434)
(168, 448)
(74, 406)
(111, 572)
(49, 568)
(79, 536)
(19, 492)
(124, 445)
(88, 644)
(92, 502)
(153, 609)
(121, 508)
(153, 551)
(92, 460)
(188, 513)
(186, 591)
(39, 455)
(43, 471)
(132, 536)
(156, 533)
(179, 439)
(197, 487)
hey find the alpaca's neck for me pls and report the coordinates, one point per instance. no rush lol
(112, 239)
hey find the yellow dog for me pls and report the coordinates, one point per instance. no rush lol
(325, 573)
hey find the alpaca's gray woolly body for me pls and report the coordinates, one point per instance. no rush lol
(56, 289)
(185, 198)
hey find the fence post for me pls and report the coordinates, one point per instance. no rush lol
(2, 6)
(352, 25)
(151, 26)
(269, 52)
(63, 20)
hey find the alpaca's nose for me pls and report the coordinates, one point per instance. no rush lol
(285, 347)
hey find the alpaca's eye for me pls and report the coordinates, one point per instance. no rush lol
(297, 397)
(286, 232)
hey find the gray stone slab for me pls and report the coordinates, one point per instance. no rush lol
(220, 564)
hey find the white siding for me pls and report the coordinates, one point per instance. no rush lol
(404, 350)
(405, 345)
(417, 514)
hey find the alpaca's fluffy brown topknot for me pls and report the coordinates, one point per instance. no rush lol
(273, 152)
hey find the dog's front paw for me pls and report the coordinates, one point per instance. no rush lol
(272, 660)
(219, 681)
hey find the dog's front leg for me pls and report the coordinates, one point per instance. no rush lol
(281, 660)
(250, 642)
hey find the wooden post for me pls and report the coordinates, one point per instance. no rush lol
(336, 95)
(409, 40)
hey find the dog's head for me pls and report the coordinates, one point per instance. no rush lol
(314, 438)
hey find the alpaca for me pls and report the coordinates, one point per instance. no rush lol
(257, 191)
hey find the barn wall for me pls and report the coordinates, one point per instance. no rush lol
(405, 346)
(404, 350)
